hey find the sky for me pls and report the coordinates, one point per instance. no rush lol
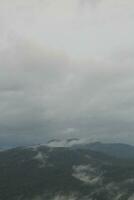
(66, 70)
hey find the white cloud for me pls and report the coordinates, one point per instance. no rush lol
(66, 68)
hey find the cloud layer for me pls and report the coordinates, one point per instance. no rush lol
(66, 70)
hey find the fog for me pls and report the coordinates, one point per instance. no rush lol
(66, 70)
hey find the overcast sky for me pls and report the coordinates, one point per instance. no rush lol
(66, 70)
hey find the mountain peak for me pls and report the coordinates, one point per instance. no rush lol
(66, 142)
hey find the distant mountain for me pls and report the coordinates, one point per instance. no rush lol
(113, 149)
(65, 143)
(118, 150)
(59, 173)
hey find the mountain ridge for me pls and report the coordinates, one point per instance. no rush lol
(73, 170)
(61, 173)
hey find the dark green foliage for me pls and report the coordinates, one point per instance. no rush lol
(23, 177)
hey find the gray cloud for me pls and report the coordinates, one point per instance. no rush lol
(66, 73)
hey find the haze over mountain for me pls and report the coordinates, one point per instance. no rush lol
(60, 173)
(117, 150)
(66, 100)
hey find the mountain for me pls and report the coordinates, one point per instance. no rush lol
(59, 173)
(66, 142)
(118, 150)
